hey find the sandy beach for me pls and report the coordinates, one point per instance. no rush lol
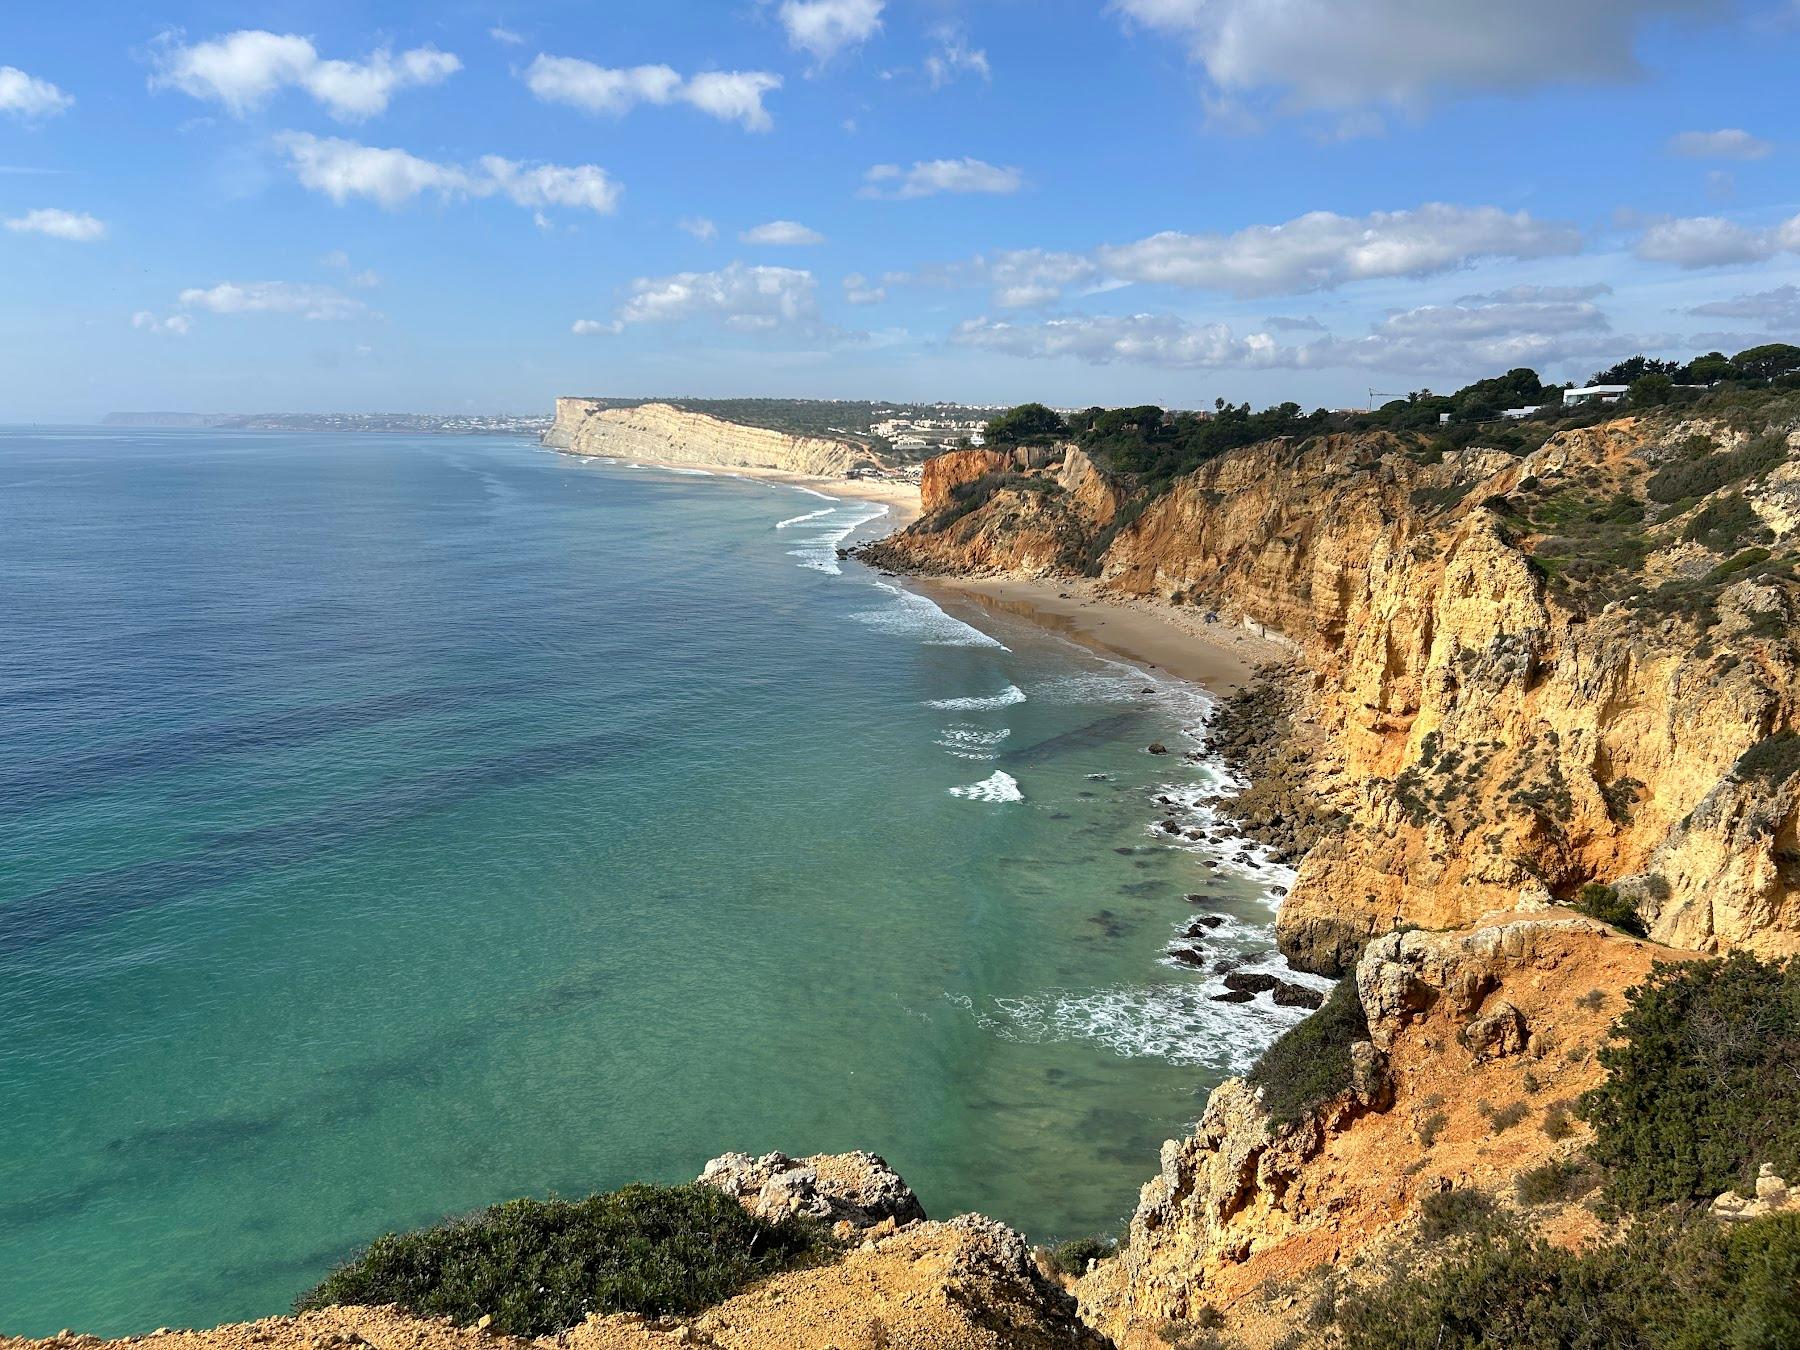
(903, 498)
(1220, 657)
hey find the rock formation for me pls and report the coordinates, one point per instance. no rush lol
(858, 1190)
(665, 434)
(1483, 731)
(1245, 1199)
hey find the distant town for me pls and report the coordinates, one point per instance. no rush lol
(417, 424)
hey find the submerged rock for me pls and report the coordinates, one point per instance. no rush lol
(1158, 748)
(1250, 982)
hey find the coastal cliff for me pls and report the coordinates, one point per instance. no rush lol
(1501, 714)
(665, 434)
(1477, 1043)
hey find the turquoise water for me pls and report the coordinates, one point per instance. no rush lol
(391, 826)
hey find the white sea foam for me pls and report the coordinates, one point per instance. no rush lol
(813, 492)
(819, 552)
(810, 515)
(1179, 1023)
(690, 472)
(915, 616)
(967, 742)
(1001, 787)
(1006, 698)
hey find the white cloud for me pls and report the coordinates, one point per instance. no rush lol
(243, 70)
(1162, 340)
(927, 178)
(859, 291)
(1523, 326)
(1323, 250)
(729, 96)
(584, 186)
(1713, 241)
(1020, 278)
(176, 325)
(1327, 55)
(1732, 144)
(751, 299)
(784, 233)
(75, 226)
(588, 327)
(273, 297)
(1779, 308)
(823, 28)
(344, 169)
(955, 57)
(30, 98)
(700, 227)
(501, 33)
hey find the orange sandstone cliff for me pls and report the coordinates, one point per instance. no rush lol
(1503, 719)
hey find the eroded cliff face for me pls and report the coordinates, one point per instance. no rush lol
(1461, 1025)
(1489, 733)
(670, 435)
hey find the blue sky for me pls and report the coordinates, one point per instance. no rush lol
(459, 206)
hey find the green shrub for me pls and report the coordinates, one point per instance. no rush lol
(1553, 1183)
(1557, 1123)
(1692, 1286)
(1449, 1214)
(1072, 1256)
(1310, 1064)
(1701, 1085)
(1725, 525)
(1503, 1117)
(1431, 1127)
(1699, 473)
(540, 1266)
(1608, 906)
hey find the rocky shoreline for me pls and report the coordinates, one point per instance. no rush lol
(1261, 733)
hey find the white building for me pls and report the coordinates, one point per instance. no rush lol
(1605, 393)
(1526, 411)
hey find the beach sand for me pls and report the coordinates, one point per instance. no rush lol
(1220, 657)
(901, 498)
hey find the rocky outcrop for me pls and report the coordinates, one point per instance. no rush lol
(858, 1189)
(1245, 1198)
(665, 434)
(1773, 1196)
(1037, 519)
(1480, 730)
(943, 474)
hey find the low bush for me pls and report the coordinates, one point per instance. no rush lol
(1463, 1213)
(1071, 1257)
(1608, 906)
(540, 1266)
(1503, 1117)
(1701, 472)
(1701, 1085)
(1310, 1064)
(1553, 1183)
(1668, 1284)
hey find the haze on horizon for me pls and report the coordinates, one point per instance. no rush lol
(402, 206)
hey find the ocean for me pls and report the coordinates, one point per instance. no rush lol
(390, 826)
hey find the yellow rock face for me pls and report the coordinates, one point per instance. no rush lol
(1485, 740)
(665, 434)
